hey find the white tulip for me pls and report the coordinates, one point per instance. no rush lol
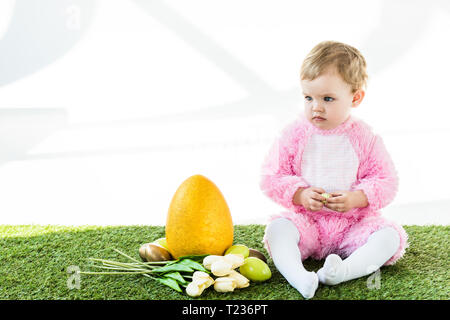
(202, 278)
(200, 281)
(194, 290)
(221, 268)
(209, 260)
(225, 284)
(241, 281)
(236, 260)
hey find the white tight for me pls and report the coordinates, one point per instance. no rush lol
(379, 248)
(283, 238)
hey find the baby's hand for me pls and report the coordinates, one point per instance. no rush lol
(341, 201)
(344, 201)
(310, 198)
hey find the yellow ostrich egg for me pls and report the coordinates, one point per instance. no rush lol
(198, 220)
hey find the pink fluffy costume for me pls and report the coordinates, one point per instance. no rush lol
(347, 158)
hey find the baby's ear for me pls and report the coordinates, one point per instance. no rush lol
(358, 97)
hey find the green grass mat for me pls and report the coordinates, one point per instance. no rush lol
(34, 261)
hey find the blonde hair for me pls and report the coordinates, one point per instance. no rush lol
(348, 61)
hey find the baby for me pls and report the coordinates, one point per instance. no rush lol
(327, 152)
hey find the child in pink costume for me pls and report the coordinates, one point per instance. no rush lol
(328, 150)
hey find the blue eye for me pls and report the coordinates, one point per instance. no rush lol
(308, 98)
(330, 99)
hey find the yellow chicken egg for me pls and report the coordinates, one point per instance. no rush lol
(198, 220)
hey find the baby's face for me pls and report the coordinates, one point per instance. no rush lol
(329, 100)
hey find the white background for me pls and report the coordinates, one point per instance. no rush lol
(106, 107)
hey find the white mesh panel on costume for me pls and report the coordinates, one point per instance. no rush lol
(329, 162)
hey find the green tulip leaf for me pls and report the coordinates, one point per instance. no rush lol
(173, 268)
(176, 276)
(192, 264)
(197, 257)
(170, 283)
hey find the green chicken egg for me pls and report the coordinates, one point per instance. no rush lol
(255, 270)
(238, 249)
(162, 242)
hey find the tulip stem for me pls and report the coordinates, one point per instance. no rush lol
(122, 264)
(149, 268)
(125, 255)
(151, 262)
(147, 275)
(124, 269)
(105, 272)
